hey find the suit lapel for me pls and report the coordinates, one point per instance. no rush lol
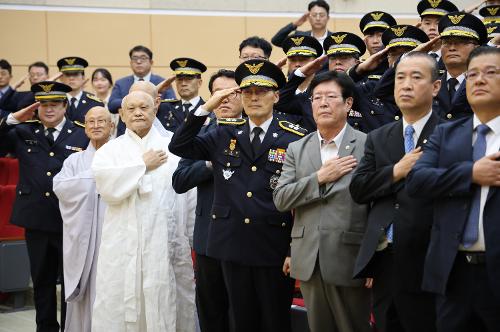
(443, 95)
(243, 139)
(427, 130)
(65, 132)
(397, 146)
(346, 148)
(39, 133)
(313, 151)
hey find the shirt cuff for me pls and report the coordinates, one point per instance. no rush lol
(201, 112)
(298, 73)
(11, 120)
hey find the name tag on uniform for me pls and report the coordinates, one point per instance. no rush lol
(31, 142)
(74, 148)
(277, 156)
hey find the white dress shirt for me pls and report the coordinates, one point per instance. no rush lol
(460, 78)
(193, 102)
(146, 78)
(330, 149)
(78, 98)
(418, 126)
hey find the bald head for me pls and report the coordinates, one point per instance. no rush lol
(98, 111)
(138, 112)
(98, 126)
(144, 86)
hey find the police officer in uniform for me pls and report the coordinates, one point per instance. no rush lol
(250, 237)
(491, 19)
(173, 112)
(79, 101)
(41, 147)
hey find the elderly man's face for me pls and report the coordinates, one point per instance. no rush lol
(51, 113)
(414, 88)
(98, 124)
(341, 62)
(231, 107)
(483, 82)
(329, 107)
(138, 112)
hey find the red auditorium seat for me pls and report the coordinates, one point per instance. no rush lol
(8, 232)
(9, 171)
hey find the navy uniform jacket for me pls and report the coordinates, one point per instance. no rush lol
(13, 101)
(195, 174)
(284, 32)
(87, 101)
(412, 218)
(171, 113)
(246, 227)
(444, 174)
(36, 206)
(459, 106)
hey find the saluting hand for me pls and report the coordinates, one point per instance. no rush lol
(165, 84)
(486, 171)
(20, 82)
(56, 77)
(372, 62)
(335, 168)
(154, 159)
(301, 20)
(428, 46)
(218, 96)
(281, 62)
(26, 113)
(312, 67)
(403, 167)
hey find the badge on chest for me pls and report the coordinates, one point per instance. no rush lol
(277, 156)
(231, 151)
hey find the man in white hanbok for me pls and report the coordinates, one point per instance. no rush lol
(135, 289)
(82, 212)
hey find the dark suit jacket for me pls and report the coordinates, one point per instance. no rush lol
(87, 101)
(171, 113)
(444, 174)
(13, 101)
(36, 206)
(281, 35)
(411, 218)
(195, 173)
(459, 106)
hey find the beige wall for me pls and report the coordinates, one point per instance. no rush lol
(105, 39)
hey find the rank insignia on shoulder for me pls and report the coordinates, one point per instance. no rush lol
(277, 156)
(74, 148)
(94, 98)
(374, 77)
(79, 124)
(231, 121)
(32, 121)
(169, 100)
(294, 128)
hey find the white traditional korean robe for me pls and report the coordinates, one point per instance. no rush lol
(82, 212)
(136, 283)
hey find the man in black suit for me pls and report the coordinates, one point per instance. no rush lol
(318, 16)
(460, 172)
(211, 296)
(395, 243)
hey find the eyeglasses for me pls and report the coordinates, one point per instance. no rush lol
(139, 58)
(252, 57)
(93, 123)
(489, 73)
(318, 15)
(329, 98)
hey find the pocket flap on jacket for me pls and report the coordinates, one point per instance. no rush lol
(220, 212)
(352, 237)
(23, 189)
(297, 232)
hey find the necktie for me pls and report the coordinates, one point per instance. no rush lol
(141, 79)
(186, 107)
(409, 146)
(256, 140)
(452, 83)
(471, 230)
(434, 55)
(72, 108)
(50, 135)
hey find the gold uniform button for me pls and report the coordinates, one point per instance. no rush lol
(214, 216)
(249, 194)
(449, 116)
(283, 224)
(228, 164)
(254, 169)
(247, 221)
(396, 117)
(51, 154)
(47, 194)
(49, 174)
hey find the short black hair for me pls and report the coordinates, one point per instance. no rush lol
(319, 3)
(257, 42)
(432, 61)
(4, 64)
(105, 73)
(342, 79)
(39, 64)
(140, 48)
(220, 73)
(482, 50)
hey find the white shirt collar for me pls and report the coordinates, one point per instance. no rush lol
(494, 124)
(418, 126)
(5, 89)
(438, 53)
(146, 78)
(78, 96)
(193, 101)
(460, 78)
(264, 126)
(337, 139)
(60, 126)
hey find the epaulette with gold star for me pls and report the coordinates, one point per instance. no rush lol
(79, 124)
(169, 100)
(292, 127)
(91, 96)
(231, 121)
